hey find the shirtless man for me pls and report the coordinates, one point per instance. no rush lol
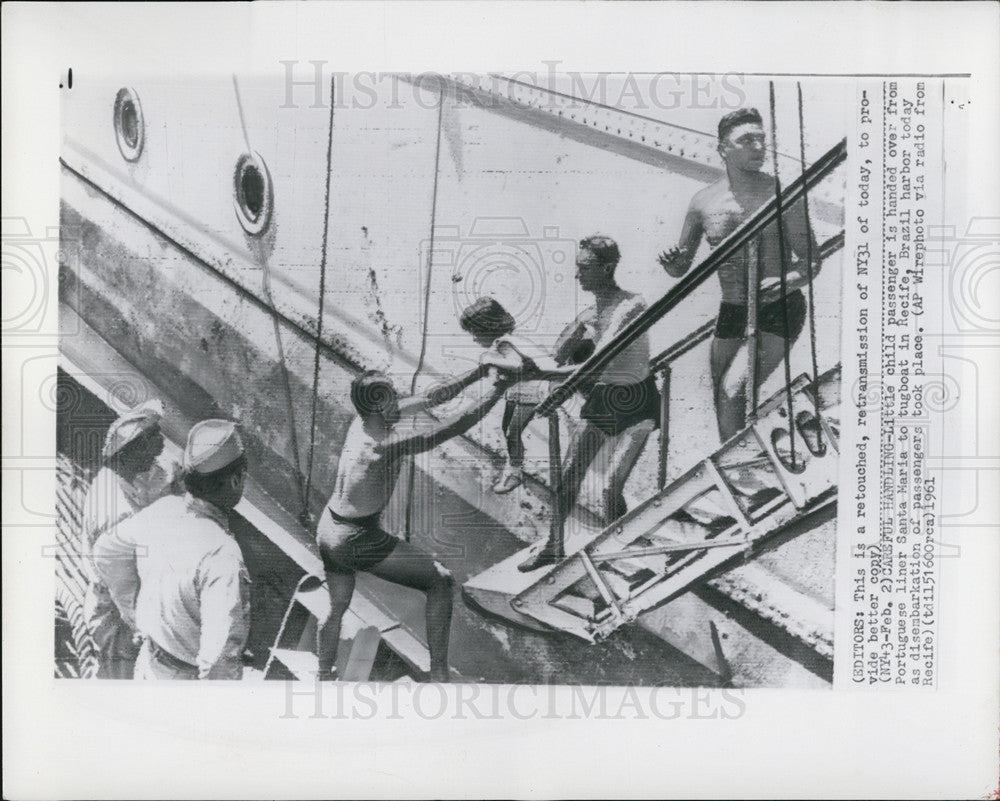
(715, 212)
(622, 406)
(349, 536)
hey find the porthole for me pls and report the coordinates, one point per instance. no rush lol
(253, 193)
(130, 129)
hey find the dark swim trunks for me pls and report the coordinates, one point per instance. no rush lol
(732, 320)
(350, 545)
(612, 408)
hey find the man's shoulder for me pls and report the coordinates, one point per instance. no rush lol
(101, 478)
(221, 554)
(711, 193)
(357, 441)
(356, 432)
(168, 506)
(633, 303)
(149, 520)
(104, 490)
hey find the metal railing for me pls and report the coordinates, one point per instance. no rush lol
(738, 239)
(661, 364)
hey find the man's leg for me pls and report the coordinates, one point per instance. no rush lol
(516, 418)
(770, 354)
(728, 355)
(625, 453)
(583, 448)
(341, 589)
(413, 567)
(733, 387)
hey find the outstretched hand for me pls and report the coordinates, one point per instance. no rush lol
(674, 261)
(503, 376)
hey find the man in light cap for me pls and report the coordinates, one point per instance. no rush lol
(192, 608)
(132, 477)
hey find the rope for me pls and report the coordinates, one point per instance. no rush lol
(266, 288)
(426, 310)
(752, 267)
(809, 270)
(319, 314)
(784, 277)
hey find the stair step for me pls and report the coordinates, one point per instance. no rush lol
(620, 586)
(362, 656)
(303, 665)
(634, 570)
(581, 606)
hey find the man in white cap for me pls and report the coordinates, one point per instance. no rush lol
(192, 608)
(132, 477)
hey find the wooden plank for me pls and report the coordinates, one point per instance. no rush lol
(362, 656)
(303, 665)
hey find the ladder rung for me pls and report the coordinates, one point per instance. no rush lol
(727, 495)
(606, 592)
(620, 586)
(630, 567)
(677, 547)
(581, 606)
(757, 461)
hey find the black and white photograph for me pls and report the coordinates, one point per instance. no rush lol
(500, 400)
(489, 378)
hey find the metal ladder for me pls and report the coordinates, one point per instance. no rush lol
(729, 503)
(365, 629)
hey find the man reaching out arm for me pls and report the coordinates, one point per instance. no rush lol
(349, 534)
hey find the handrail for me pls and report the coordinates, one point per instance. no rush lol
(732, 243)
(703, 332)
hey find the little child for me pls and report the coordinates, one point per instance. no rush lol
(492, 327)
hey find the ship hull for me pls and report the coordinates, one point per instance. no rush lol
(219, 321)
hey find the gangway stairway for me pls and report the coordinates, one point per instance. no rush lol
(772, 482)
(727, 506)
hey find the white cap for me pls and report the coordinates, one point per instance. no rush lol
(132, 425)
(211, 445)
